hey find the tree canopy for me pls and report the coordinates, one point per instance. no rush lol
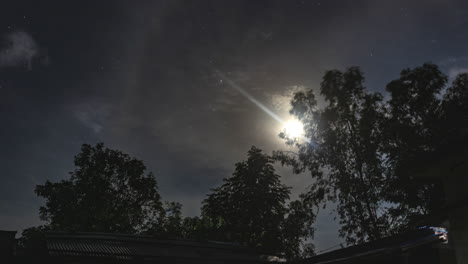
(358, 146)
(344, 152)
(250, 208)
(108, 191)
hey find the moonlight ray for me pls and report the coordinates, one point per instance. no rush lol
(292, 128)
(249, 97)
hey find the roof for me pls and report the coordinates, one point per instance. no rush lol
(383, 247)
(128, 247)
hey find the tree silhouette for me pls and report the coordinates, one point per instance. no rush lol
(344, 152)
(413, 128)
(107, 192)
(249, 208)
(359, 147)
(170, 223)
(427, 118)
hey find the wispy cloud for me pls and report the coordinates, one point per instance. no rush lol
(92, 116)
(453, 72)
(281, 101)
(19, 50)
(450, 61)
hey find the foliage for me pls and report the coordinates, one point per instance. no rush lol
(107, 192)
(413, 128)
(173, 225)
(455, 106)
(32, 239)
(344, 153)
(249, 208)
(169, 224)
(426, 115)
(201, 228)
(415, 111)
(296, 229)
(358, 147)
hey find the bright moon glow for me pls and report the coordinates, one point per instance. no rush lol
(294, 129)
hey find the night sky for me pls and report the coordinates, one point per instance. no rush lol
(140, 77)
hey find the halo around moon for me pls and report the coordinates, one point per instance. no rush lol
(294, 129)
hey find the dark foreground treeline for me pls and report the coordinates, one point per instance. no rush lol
(360, 147)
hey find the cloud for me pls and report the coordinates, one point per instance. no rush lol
(453, 60)
(92, 116)
(453, 72)
(19, 51)
(281, 101)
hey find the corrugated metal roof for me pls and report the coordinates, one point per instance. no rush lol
(125, 247)
(400, 243)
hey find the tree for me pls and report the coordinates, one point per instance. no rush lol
(455, 108)
(108, 191)
(200, 228)
(414, 127)
(344, 153)
(427, 117)
(415, 111)
(360, 148)
(170, 223)
(32, 240)
(249, 208)
(296, 228)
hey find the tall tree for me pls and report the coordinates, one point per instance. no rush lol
(108, 191)
(427, 115)
(344, 153)
(249, 208)
(360, 148)
(415, 127)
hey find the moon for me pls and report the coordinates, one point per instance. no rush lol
(294, 129)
